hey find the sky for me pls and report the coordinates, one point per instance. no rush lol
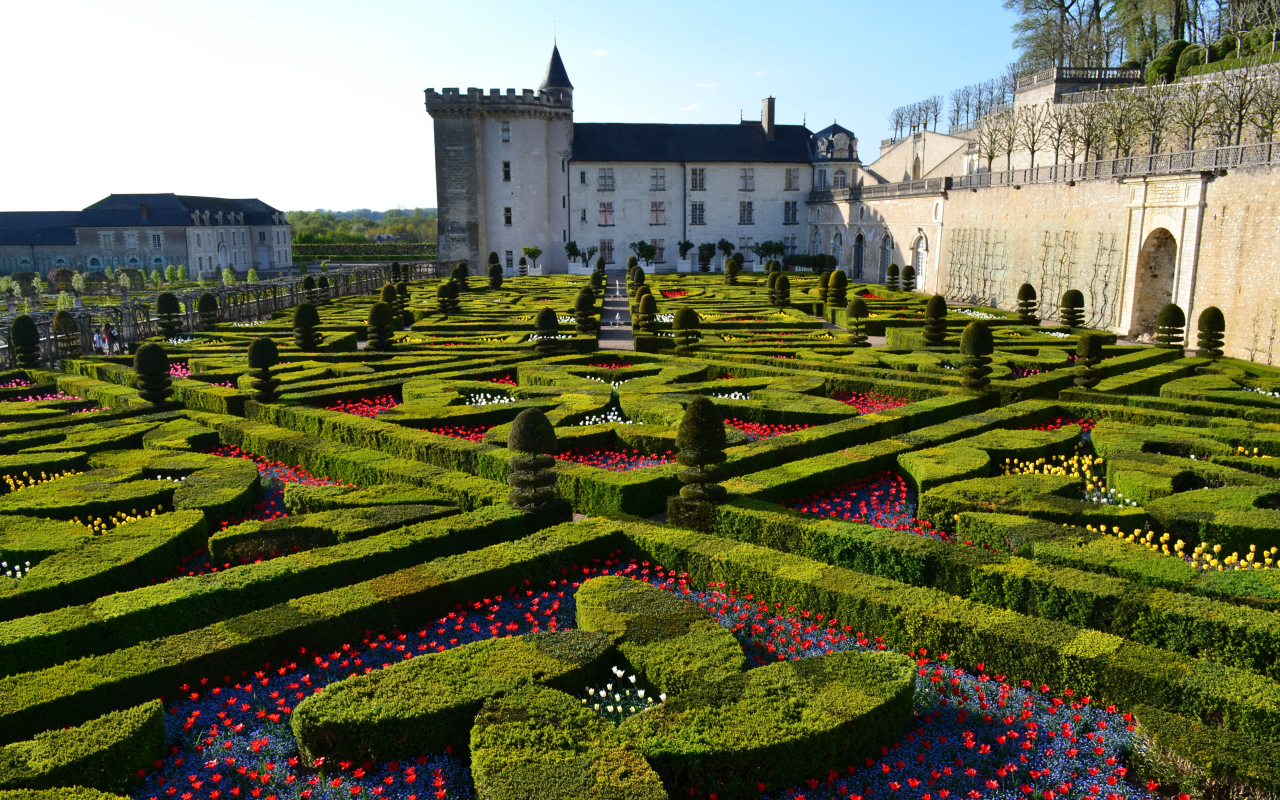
(319, 103)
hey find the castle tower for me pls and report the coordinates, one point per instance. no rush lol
(501, 167)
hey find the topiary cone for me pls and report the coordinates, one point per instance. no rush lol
(782, 291)
(495, 276)
(854, 314)
(67, 336)
(547, 325)
(1211, 326)
(379, 327)
(891, 277)
(306, 320)
(648, 315)
(584, 310)
(532, 442)
(935, 321)
(837, 289)
(207, 311)
(908, 278)
(151, 365)
(701, 441)
(263, 356)
(976, 345)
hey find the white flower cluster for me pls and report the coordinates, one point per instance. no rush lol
(170, 478)
(534, 337)
(610, 415)
(664, 317)
(614, 384)
(968, 312)
(181, 340)
(620, 703)
(249, 324)
(1058, 334)
(565, 320)
(732, 395)
(486, 399)
(1265, 392)
(17, 573)
(1109, 497)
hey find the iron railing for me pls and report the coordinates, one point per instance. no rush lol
(1245, 155)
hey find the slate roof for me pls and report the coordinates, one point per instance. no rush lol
(556, 77)
(644, 141)
(121, 210)
(38, 227)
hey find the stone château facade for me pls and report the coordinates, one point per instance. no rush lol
(148, 231)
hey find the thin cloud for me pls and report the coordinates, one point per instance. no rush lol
(690, 107)
(704, 86)
(601, 53)
(759, 74)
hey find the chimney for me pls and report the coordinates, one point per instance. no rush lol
(766, 118)
(143, 208)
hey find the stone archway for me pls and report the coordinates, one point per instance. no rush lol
(1153, 288)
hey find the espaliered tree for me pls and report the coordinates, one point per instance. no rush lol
(547, 326)
(207, 311)
(701, 441)
(837, 289)
(263, 357)
(380, 321)
(151, 365)
(169, 313)
(908, 278)
(1171, 326)
(976, 346)
(1028, 306)
(854, 314)
(26, 341)
(684, 327)
(935, 321)
(1211, 327)
(459, 275)
(782, 291)
(1071, 309)
(495, 276)
(891, 278)
(533, 479)
(66, 334)
(1088, 356)
(306, 322)
(647, 318)
(584, 310)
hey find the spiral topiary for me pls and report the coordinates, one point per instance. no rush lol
(584, 310)
(532, 479)
(1071, 309)
(1088, 356)
(547, 325)
(824, 280)
(701, 441)
(169, 315)
(684, 327)
(854, 314)
(207, 311)
(66, 333)
(1027, 304)
(837, 289)
(380, 321)
(1211, 325)
(908, 278)
(495, 276)
(263, 356)
(26, 341)
(935, 321)
(1171, 326)
(976, 345)
(891, 277)
(647, 318)
(782, 291)
(459, 275)
(151, 365)
(306, 321)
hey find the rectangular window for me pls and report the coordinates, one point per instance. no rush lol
(511, 262)
(506, 215)
(198, 240)
(108, 240)
(748, 180)
(822, 180)
(131, 241)
(582, 177)
(606, 213)
(155, 241)
(604, 181)
(201, 262)
(790, 212)
(506, 170)
(660, 257)
(222, 236)
(657, 213)
(698, 179)
(746, 213)
(584, 216)
(789, 245)
(262, 237)
(564, 201)
(606, 250)
(697, 213)
(506, 131)
(657, 180)
(793, 179)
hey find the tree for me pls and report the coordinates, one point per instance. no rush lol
(685, 246)
(151, 365)
(597, 282)
(891, 277)
(169, 314)
(701, 441)
(908, 278)
(1031, 128)
(590, 253)
(837, 289)
(584, 309)
(524, 266)
(1027, 304)
(252, 275)
(402, 301)
(646, 320)
(782, 291)
(66, 334)
(547, 328)
(1170, 326)
(263, 356)
(207, 311)
(379, 327)
(1152, 111)
(1235, 94)
(322, 289)
(157, 278)
(571, 251)
(229, 276)
(935, 321)
(1071, 309)
(309, 288)
(684, 326)
(636, 279)
(725, 246)
(1088, 356)
(306, 322)
(644, 251)
(1006, 133)
(1211, 325)
(171, 274)
(532, 253)
(706, 252)
(532, 442)
(495, 276)
(183, 274)
(854, 313)
(976, 346)
(26, 341)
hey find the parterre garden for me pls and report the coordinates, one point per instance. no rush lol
(437, 544)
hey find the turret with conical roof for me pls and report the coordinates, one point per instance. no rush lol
(556, 77)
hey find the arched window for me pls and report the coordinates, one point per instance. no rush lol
(95, 263)
(24, 265)
(840, 181)
(919, 255)
(817, 243)
(886, 255)
(917, 169)
(837, 243)
(859, 253)
(133, 261)
(157, 262)
(59, 262)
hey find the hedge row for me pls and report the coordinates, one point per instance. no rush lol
(106, 753)
(297, 532)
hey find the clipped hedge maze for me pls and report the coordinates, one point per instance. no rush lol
(913, 590)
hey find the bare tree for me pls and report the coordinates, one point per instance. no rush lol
(1235, 94)
(1031, 121)
(989, 139)
(1192, 112)
(1091, 128)
(1007, 135)
(1266, 107)
(1118, 114)
(953, 115)
(1058, 129)
(1152, 111)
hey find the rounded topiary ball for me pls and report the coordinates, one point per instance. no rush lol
(976, 345)
(935, 321)
(532, 433)
(1211, 325)
(1170, 325)
(685, 318)
(1071, 309)
(263, 353)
